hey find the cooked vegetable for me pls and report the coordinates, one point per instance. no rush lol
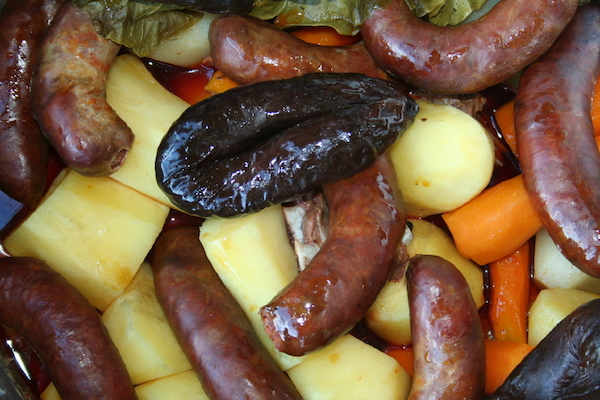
(501, 357)
(495, 223)
(509, 295)
(324, 36)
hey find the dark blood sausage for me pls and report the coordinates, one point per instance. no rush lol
(212, 329)
(23, 148)
(558, 154)
(466, 58)
(448, 339)
(248, 50)
(64, 329)
(366, 223)
(69, 95)
(215, 6)
(272, 141)
(564, 365)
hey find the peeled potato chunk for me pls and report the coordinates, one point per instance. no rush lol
(443, 160)
(184, 385)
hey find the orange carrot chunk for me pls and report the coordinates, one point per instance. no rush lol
(509, 295)
(404, 356)
(596, 109)
(495, 223)
(501, 358)
(219, 83)
(505, 118)
(324, 36)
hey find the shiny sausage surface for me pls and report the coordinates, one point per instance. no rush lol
(555, 138)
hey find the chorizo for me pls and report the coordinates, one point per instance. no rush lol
(248, 50)
(448, 340)
(64, 329)
(211, 327)
(276, 140)
(69, 95)
(331, 295)
(23, 148)
(466, 58)
(558, 154)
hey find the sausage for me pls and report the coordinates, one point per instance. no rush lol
(366, 223)
(276, 140)
(23, 148)
(248, 50)
(64, 329)
(215, 6)
(558, 154)
(211, 327)
(448, 340)
(466, 58)
(69, 95)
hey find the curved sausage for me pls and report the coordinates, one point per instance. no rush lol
(277, 140)
(367, 221)
(69, 95)
(64, 329)
(215, 6)
(212, 329)
(23, 148)
(558, 154)
(448, 339)
(466, 58)
(248, 50)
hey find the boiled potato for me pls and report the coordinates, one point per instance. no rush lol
(553, 270)
(443, 160)
(349, 369)
(187, 49)
(253, 257)
(550, 307)
(389, 316)
(95, 232)
(50, 393)
(138, 327)
(184, 385)
(149, 110)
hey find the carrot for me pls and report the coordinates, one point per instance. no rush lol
(505, 118)
(501, 358)
(596, 108)
(495, 223)
(219, 83)
(509, 295)
(404, 356)
(324, 36)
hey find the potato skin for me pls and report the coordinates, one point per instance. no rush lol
(210, 326)
(64, 330)
(448, 338)
(555, 138)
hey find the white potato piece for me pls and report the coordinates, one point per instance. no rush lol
(552, 270)
(95, 232)
(550, 307)
(187, 49)
(149, 110)
(50, 393)
(184, 385)
(253, 257)
(350, 369)
(443, 160)
(389, 316)
(138, 327)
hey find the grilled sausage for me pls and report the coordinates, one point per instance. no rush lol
(211, 327)
(367, 221)
(69, 95)
(23, 148)
(64, 329)
(558, 154)
(448, 339)
(248, 50)
(466, 58)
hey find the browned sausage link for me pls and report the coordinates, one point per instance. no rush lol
(559, 156)
(367, 221)
(23, 148)
(248, 50)
(64, 329)
(470, 57)
(212, 329)
(69, 95)
(448, 339)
